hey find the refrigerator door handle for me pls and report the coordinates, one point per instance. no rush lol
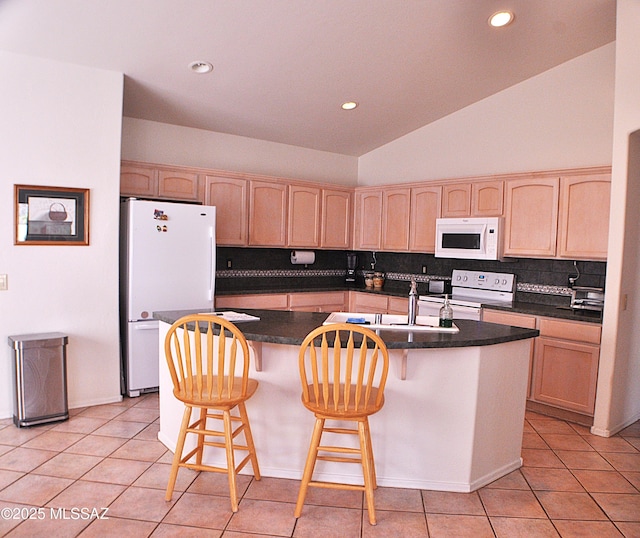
(212, 267)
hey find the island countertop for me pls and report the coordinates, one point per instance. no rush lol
(454, 402)
(291, 327)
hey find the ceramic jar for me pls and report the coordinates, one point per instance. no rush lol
(368, 280)
(378, 280)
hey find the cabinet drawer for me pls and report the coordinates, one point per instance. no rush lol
(276, 301)
(317, 299)
(398, 305)
(570, 330)
(365, 300)
(507, 318)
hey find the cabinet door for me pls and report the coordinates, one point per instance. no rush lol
(336, 219)
(138, 181)
(267, 214)
(178, 185)
(229, 195)
(304, 217)
(396, 205)
(426, 205)
(584, 217)
(531, 218)
(487, 198)
(565, 374)
(456, 200)
(368, 225)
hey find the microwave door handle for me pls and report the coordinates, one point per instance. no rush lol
(483, 237)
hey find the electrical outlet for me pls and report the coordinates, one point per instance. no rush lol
(229, 263)
(424, 269)
(4, 283)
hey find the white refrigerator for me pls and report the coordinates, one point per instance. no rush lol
(167, 262)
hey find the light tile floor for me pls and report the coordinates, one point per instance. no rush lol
(56, 480)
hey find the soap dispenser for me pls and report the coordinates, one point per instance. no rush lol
(413, 303)
(446, 314)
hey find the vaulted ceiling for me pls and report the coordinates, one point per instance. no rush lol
(282, 68)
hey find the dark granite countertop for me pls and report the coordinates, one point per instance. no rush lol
(550, 311)
(285, 327)
(518, 307)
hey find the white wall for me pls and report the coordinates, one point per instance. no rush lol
(61, 126)
(618, 400)
(154, 142)
(562, 118)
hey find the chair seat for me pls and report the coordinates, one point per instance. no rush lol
(225, 400)
(342, 411)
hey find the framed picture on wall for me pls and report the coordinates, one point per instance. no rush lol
(51, 215)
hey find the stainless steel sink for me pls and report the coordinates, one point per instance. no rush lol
(390, 322)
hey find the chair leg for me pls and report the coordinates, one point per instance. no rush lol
(202, 426)
(231, 465)
(309, 465)
(177, 456)
(249, 438)
(367, 469)
(374, 480)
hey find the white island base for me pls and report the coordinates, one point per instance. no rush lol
(454, 424)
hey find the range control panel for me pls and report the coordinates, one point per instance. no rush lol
(480, 280)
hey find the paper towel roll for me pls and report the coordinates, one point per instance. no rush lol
(303, 257)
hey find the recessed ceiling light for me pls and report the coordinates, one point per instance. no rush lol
(500, 18)
(201, 67)
(349, 105)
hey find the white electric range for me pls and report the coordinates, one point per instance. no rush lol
(469, 291)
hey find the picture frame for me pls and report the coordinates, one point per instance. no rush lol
(51, 215)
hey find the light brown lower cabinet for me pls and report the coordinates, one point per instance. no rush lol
(334, 301)
(565, 365)
(370, 303)
(564, 362)
(266, 301)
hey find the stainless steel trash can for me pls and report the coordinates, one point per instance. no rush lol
(40, 378)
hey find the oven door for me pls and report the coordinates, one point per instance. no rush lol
(432, 308)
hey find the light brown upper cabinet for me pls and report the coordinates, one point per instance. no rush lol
(487, 198)
(367, 227)
(304, 216)
(335, 231)
(396, 205)
(229, 195)
(426, 206)
(267, 214)
(584, 217)
(138, 180)
(178, 185)
(531, 217)
(456, 200)
(161, 183)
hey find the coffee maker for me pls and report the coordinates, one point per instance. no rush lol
(352, 263)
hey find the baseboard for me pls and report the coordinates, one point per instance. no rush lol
(562, 414)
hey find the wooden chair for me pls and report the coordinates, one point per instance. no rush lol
(343, 384)
(209, 367)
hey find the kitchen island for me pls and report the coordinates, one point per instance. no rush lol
(454, 403)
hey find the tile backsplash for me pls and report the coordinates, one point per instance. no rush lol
(538, 280)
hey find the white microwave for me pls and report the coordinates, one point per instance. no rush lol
(469, 238)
